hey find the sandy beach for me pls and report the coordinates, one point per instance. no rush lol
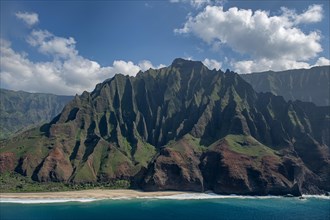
(88, 194)
(101, 194)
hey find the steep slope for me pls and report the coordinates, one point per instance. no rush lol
(310, 85)
(19, 110)
(183, 127)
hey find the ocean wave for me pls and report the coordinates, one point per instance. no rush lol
(183, 196)
(200, 196)
(40, 201)
(316, 196)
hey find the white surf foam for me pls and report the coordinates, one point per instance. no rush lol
(40, 201)
(183, 196)
(199, 196)
(316, 196)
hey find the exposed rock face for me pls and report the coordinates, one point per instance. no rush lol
(183, 127)
(7, 162)
(55, 167)
(175, 168)
(309, 85)
(229, 172)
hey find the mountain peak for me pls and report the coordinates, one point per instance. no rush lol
(180, 62)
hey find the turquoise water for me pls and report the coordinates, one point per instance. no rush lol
(158, 209)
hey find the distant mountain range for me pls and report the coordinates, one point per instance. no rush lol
(182, 127)
(310, 85)
(21, 110)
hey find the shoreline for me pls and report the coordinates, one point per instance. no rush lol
(103, 194)
(88, 194)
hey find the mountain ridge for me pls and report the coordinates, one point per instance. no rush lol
(19, 109)
(182, 127)
(311, 85)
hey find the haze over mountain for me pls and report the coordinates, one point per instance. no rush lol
(310, 85)
(182, 127)
(20, 110)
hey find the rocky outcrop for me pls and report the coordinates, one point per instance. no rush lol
(183, 127)
(175, 168)
(230, 172)
(7, 162)
(55, 167)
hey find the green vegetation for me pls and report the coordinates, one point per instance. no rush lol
(22, 110)
(248, 145)
(13, 182)
(32, 142)
(84, 174)
(188, 141)
(144, 153)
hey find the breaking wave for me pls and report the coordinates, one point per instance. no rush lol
(183, 196)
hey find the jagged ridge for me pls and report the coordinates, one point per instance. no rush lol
(183, 127)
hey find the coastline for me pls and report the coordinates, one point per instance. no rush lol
(89, 194)
(121, 194)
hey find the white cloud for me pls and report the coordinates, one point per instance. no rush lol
(126, 68)
(50, 44)
(313, 14)
(249, 66)
(322, 61)
(273, 42)
(60, 77)
(146, 64)
(200, 3)
(68, 75)
(29, 18)
(212, 64)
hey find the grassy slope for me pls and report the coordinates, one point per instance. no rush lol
(249, 146)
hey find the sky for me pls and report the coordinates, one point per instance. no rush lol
(67, 47)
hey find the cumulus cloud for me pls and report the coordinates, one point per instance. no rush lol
(313, 14)
(67, 75)
(249, 66)
(50, 44)
(199, 3)
(322, 61)
(60, 77)
(212, 64)
(273, 42)
(146, 64)
(29, 18)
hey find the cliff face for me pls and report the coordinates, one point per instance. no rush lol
(309, 85)
(19, 110)
(182, 127)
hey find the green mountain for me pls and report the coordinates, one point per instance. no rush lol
(21, 110)
(309, 85)
(183, 127)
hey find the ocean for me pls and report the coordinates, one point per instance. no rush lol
(184, 207)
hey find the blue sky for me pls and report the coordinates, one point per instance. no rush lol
(66, 47)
